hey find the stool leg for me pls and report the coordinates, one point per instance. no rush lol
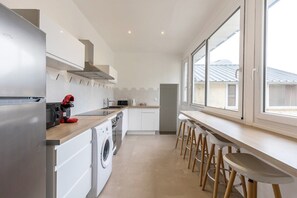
(189, 133)
(255, 191)
(193, 139)
(276, 190)
(197, 151)
(243, 186)
(229, 151)
(230, 184)
(206, 148)
(202, 159)
(183, 138)
(214, 163)
(208, 165)
(224, 173)
(178, 134)
(217, 175)
(250, 189)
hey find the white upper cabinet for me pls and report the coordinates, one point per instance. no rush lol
(109, 70)
(62, 46)
(63, 51)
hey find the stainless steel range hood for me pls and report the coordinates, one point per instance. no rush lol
(91, 71)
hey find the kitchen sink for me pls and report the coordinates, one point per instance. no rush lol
(113, 107)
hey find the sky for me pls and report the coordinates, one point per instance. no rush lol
(282, 36)
(281, 39)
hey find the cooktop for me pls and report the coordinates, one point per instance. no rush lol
(98, 112)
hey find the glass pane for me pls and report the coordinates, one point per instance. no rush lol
(185, 83)
(231, 95)
(280, 51)
(199, 76)
(224, 51)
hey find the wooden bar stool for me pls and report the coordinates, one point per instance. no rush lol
(191, 140)
(220, 143)
(256, 171)
(202, 149)
(181, 131)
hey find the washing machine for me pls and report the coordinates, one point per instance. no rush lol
(102, 157)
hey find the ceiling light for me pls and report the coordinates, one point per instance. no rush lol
(162, 32)
(129, 32)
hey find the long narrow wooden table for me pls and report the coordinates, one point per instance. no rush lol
(276, 149)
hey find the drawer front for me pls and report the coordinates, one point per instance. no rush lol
(82, 187)
(72, 172)
(70, 148)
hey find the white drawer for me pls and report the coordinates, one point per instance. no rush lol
(82, 187)
(71, 172)
(71, 147)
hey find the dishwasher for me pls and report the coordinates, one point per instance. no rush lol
(117, 132)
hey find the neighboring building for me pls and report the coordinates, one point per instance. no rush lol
(223, 83)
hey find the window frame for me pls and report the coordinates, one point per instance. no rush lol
(185, 82)
(204, 43)
(262, 118)
(225, 112)
(236, 95)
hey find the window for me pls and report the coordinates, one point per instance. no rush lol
(217, 66)
(199, 63)
(185, 82)
(280, 71)
(232, 96)
(275, 71)
(224, 65)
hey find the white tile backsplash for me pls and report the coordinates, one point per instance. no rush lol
(86, 97)
(149, 96)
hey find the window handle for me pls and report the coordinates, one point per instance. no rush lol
(236, 73)
(254, 70)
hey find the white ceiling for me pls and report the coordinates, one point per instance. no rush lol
(181, 21)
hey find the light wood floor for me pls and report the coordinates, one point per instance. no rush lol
(150, 167)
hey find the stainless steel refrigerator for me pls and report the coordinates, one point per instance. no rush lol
(22, 108)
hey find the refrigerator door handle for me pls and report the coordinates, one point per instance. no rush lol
(16, 101)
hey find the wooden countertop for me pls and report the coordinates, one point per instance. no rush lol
(274, 148)
(144, 107)
(65, 131)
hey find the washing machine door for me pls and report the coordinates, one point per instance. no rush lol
(106, 151)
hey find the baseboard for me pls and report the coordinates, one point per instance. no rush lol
(167, 132)
(141, 133)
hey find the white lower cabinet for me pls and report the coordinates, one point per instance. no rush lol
(69, 171)
(134, 119)
(144, 119)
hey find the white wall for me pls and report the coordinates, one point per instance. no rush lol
(147, 70)
(86, 96)
(66, 14)
(140, 74)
